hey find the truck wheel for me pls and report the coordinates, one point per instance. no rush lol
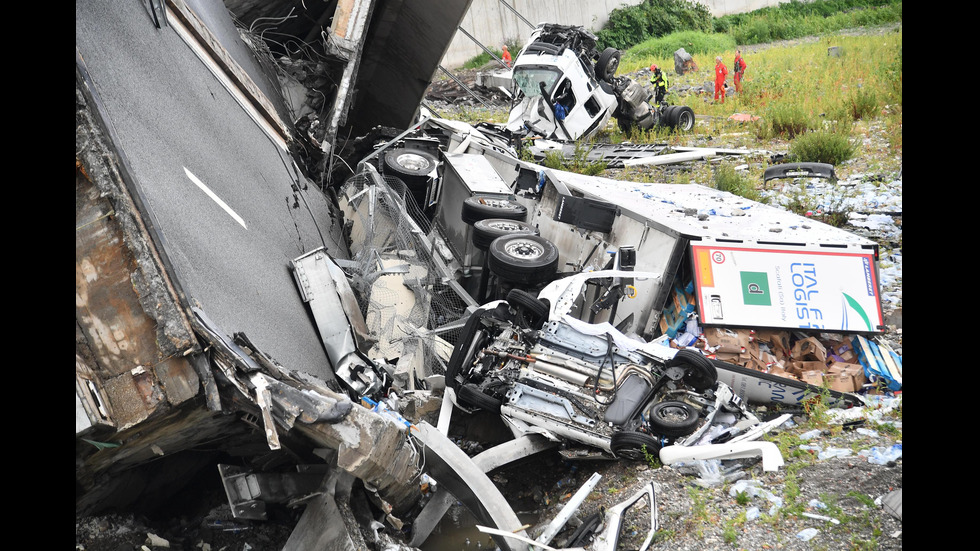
(527, 259)
(632, 445)
(608, 62)
(486, 230)
(472, 396)
(531, 309)
(478, 208)
(684, 118)
(410, 162)
(673, 419)
(472, 331)
(669, 117)
(699, 373)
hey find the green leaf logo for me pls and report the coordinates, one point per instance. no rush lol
(857, 307)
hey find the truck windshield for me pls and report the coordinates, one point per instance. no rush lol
(527, 79)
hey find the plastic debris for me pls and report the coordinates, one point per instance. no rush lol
(834, 452)
(881, 456)
(817, 504)
(810, 434)
(807, 535)
(754, 488)
(752, 513)
(821, 517)
(868, 432)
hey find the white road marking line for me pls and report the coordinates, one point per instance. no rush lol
(214, 197)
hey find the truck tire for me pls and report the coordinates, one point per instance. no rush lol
(684, 118)
(478, 208)
(669, 117)
(532, 310)
(633, 445)
(608, 62)
(673, 419)
(473, 330)
(525, 259)
(488, 229)
(471, 395)
(699, 373)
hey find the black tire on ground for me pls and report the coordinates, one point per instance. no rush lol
(531, 309)
(470, 395)
(488, 229)
(523, 259)
(684, 118)
(631, 445)
(479, 207)
(605, 67)
(673, 419)
(670, 116)
(699, 373)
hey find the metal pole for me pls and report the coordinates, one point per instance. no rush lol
(521, 17)
(485, 49)
(452, 76)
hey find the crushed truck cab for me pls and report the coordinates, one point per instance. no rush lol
(567, 90)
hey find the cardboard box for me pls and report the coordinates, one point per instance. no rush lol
(813, 366)
(845, 377)
(812, 377)
(778, 341)
(779, 372)
(809, 349)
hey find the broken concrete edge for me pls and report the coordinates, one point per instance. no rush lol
(108, 169)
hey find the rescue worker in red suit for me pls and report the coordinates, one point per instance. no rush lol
(506, 56)
(720, 73)
(739, 69)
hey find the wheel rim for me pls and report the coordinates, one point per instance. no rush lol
(611, 66)
(505, 226)
(673, 414)
(498, 203)
(411, 161)
(524, 249)
(685, 121)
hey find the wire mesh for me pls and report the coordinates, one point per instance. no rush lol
(403, 290)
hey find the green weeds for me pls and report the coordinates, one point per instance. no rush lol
(727, 179)
(823, 147)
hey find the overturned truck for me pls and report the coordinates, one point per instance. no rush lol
(567, 90)
(309, 349)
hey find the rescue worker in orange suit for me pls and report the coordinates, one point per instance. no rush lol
(506, 56)
(720, 73)
(739, 69)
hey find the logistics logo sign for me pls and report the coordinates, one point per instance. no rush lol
(755, 289)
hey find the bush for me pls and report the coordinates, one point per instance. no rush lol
(631, 25)
(822, 147)
(797, 18)
(789, 120)
(864, 104)
(726, 179)
(693, 42)
(478, 61)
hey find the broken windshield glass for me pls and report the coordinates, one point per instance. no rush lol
(528, 79)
